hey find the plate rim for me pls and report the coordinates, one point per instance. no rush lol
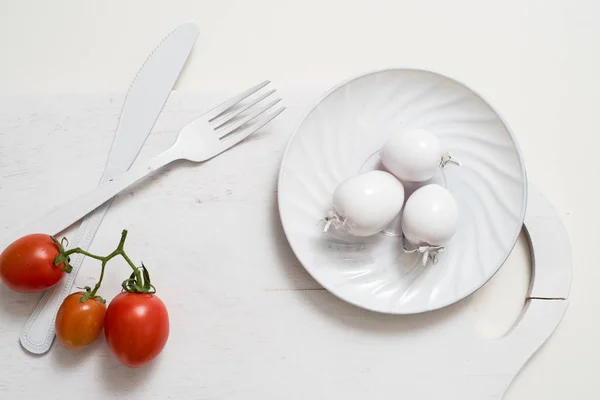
(311, 108)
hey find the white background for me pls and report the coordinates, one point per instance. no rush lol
(535, 61)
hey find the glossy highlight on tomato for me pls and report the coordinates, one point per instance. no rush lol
(79, 324)
(27, 264)
(136, 327)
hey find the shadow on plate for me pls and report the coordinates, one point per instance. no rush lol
(312, 293)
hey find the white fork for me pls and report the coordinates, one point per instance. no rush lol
(202, 139)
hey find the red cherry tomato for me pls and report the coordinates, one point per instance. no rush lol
(27, 264)
(79, 324)
(136, 327)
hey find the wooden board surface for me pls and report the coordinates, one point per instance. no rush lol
(247, 321)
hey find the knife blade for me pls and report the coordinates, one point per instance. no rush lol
(143, 103)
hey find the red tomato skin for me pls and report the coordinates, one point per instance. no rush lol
(136, 328)
(79, 324)
(27, 264)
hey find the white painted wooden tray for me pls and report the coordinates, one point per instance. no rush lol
(247, 321)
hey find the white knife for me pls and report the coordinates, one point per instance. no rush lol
(144, 102)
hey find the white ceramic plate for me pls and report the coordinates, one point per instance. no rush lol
(337, 139)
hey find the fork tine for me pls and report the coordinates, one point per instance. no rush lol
(221, 108)
(238, 137)
(266, 120)
(222, 120)
(226, 131)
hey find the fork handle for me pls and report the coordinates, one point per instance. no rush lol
(64, 216)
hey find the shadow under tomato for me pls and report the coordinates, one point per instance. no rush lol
(67, 358)
(117, 377)
(17, 304)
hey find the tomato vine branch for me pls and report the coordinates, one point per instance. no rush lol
(137, 282)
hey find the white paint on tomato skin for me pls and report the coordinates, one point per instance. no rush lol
(414, 155)
(365, 204)
(429, 220)
(430, 216)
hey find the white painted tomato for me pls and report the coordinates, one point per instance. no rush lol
(430, 216)
(414, 155)
(365, 204)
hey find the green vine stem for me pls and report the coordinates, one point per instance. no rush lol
(138, 282)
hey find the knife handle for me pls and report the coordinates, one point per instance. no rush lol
(38, 333)
(64, 216)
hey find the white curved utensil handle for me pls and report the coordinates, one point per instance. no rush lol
(551, 273)
(38, 333)
(67, 214)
